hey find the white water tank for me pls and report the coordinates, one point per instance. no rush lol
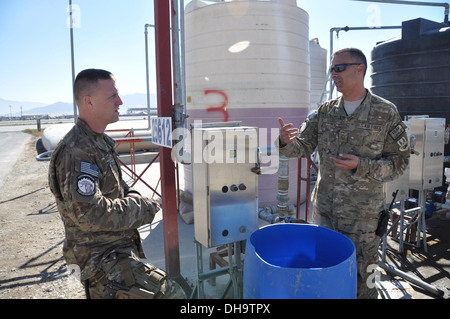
(249, 61)
(318, 72)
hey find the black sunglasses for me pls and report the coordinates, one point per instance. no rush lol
(341, 67)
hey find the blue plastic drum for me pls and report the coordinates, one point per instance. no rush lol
(299, 261)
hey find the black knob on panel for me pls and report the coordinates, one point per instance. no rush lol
(242, 187)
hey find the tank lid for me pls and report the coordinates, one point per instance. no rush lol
(413, 29)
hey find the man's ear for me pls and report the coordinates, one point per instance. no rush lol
(88, 102)
(362, 68)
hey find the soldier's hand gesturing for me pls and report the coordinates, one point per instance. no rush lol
(346, 161)
(288, 132)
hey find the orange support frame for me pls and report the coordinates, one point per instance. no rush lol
(131, 172)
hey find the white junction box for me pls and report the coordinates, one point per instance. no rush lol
(225, 189)
(426, 168)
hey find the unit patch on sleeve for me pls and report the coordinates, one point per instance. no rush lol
(86, 185)
(397, 130)
(304, 126)
(310, 117)
(403, 144)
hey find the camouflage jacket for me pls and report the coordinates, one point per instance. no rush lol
(86, 180)
(375, 133)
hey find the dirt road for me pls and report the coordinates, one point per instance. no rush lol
(31, 235)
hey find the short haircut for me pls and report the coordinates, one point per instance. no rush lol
(86, 81)
(356, 54)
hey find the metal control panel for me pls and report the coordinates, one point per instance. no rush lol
(426, 168)
(225, 190)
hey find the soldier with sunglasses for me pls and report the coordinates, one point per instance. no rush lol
(362, 143)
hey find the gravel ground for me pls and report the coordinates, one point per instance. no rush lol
(31, 235)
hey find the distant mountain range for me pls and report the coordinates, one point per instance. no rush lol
(17, 108)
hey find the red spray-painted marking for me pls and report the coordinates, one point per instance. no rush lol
(221, 108)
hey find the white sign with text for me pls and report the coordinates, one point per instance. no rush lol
(162, 131)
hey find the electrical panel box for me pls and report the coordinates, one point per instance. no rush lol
(225, 188)
(426, 168)
(402, 183)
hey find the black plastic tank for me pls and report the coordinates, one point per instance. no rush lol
(414, 72)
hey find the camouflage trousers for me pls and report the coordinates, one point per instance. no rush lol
(125, 277)
(362, 233)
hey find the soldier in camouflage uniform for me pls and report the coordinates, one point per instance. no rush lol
(362, 143)
(101, 213)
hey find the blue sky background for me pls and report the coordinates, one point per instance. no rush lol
(35, 61)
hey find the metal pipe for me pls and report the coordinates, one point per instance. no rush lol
(176, 52)
(283, 185)
(412, 279)
(270, 213)
(183, 57)
(179, 149)
(421, 225)
(275, 213)
(346, 29)
(416, 3)
(265, 214)
(75, 114)
(147, 76)
(445, 205)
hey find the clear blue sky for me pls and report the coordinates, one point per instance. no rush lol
(35, 62)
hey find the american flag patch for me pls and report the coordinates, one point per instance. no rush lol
(89, 168)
